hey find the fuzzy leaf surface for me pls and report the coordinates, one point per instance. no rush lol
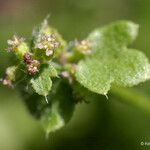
(42, 83)
(112, 62)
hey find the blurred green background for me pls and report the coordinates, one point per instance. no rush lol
(101, 125)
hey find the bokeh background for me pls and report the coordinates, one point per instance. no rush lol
(101, 125)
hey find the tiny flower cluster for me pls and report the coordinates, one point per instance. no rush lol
(47, 42)
(83, 47)
(9, 76)
(14, 42)
(32, 64)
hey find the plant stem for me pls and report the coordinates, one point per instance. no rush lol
(132, 97)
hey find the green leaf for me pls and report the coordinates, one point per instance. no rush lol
(61, 109)
(57, 112)
(112, 62)
(42, 83)
(52, 71)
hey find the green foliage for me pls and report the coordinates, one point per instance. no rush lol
(65, 74)
(112, 62)
(42, 83)
(61, 109)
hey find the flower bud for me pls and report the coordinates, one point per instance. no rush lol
(10, 72)
(27, 58)
(83, 47)
(10, 76)
(69, 72)
(7, 82)
(31, 64)
(75, 51)
(33, 67)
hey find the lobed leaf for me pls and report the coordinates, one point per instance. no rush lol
(112, 62)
